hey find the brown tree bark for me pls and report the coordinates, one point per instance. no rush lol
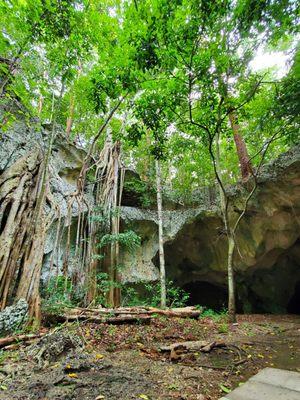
(22, 234)
(241, 148)
(109, 178)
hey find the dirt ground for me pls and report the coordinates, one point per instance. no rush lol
(125, 361)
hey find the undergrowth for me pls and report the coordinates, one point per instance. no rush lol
(149, 295)
(217, 316)
(60, 293)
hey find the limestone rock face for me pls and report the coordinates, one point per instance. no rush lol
(65, 165)
(12, 317)
(267, 260)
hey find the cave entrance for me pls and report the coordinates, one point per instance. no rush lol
(206, 294)
(293, 306)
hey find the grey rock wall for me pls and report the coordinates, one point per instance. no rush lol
(65, 165)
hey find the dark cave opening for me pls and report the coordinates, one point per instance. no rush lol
(293, 306)
(271, 286)
(206, 294)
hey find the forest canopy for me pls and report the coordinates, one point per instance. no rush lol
(181, 67)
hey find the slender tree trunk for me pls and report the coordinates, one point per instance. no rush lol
(244, 159)
(72, 105)
(230, 236)
(145, 175)
(70, 116)
(231, 284)
(92, 264)
(163, 299)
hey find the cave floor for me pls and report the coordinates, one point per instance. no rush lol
(127, 364)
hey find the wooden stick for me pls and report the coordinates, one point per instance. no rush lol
(8, 340)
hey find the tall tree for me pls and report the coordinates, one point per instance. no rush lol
(201, 52)
(162, 269)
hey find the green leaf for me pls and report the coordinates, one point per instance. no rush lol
(225, 389)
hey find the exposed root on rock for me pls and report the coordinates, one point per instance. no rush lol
(23, 226)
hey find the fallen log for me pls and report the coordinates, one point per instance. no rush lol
(185, 312)
(9, 340)
(121, 315)
(194, 345)
(122, 319)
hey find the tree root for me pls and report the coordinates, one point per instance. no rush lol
(179, 350)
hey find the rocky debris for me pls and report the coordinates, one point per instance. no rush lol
(13, 317)
(78, 361)
(54, 346)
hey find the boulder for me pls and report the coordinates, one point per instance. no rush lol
(13, 317)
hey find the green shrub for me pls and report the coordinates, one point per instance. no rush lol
(144, 191)
(149, 295)
(215, 315)
(58, 293)
(223, 327)
(128, 239)
(104, 284)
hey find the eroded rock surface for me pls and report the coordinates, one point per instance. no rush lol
(54, 346)
(12, 317)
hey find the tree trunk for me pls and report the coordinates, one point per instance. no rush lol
(163, 299)
(115, 291)
(23, 226)
(70, 116)
(244, 160)
(22, 232)
(229, 234)
(231, 285)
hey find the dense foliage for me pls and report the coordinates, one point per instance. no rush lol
(183, 66)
